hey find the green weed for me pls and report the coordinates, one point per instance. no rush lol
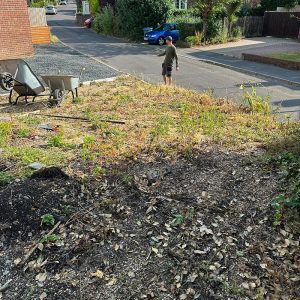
(5, 132)
(47, 219)
(49, 238)
(5, 178)
(77, 100)
(256, 103)
(177, 221)
(87, 147)
(23, 132)
(287, 204)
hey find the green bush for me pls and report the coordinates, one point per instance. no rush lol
(134, 15)
(194, 39)
(216, 33)
(237, 32)
(184, 16)
(94, 6)
(188, 29)
(42, 3)
(104, 22)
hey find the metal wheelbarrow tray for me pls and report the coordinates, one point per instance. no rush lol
(16, 75)
(60, 85)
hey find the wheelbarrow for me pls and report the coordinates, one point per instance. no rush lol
(16, 75)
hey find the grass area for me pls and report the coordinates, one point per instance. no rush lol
(54, 39)
(158, 119)
(287, 56)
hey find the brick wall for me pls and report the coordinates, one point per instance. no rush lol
(15, 33)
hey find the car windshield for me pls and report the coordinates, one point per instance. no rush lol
(163, 27)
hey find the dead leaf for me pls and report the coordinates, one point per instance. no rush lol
(41, 277)
(17, 261)
(98, 274)
(112, 281)
(131, 274)
(155, 250)
(43, 296)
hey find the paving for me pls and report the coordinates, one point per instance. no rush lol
(291, 77)
(194, 73)
(257, 45)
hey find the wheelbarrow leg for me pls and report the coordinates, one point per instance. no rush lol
(73, 95)
(10, 96)
(76, 92)
(16, 102)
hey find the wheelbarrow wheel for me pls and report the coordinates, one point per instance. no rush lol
(7, 81)
(56, 97)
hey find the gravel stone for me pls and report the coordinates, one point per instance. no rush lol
(56, 58)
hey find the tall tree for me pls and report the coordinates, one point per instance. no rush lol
(206, 9)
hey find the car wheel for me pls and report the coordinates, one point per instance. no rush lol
(161, 41)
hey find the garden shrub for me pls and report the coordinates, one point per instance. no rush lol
(188, 29)
(134, 15)
(94, 6)
(42, 3)
(194, 39)
(104, 22)
(184, 16)
(237, 32)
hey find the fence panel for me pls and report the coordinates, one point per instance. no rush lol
(252, 26)
(37, 17)
(280, 24)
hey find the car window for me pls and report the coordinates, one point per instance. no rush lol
(166, 27)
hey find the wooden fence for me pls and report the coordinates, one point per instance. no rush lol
(37, 17)
(39, 30)
(251, 26)
(280, 24)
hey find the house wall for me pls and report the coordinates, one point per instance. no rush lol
(15, 32)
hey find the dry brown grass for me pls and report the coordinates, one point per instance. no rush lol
(158, 118)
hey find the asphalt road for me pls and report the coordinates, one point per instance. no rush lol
(142, 60)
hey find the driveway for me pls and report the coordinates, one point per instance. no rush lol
(142, 61)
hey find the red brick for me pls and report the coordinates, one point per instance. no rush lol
(15, 32)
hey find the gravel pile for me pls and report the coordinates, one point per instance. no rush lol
(57, 58)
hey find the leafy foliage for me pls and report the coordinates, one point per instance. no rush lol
(256, 103)
(288, 203)
(134, 15)
(50, 238)
(104, 22)
(5, 178)
(42, 3)
(206, 9)
(48, 219)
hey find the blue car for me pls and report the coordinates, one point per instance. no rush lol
(158, 35)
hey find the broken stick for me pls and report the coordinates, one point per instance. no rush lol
(5, 286)
(79, 118)
(27, 256)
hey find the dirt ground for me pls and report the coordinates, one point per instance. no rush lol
(153, 228)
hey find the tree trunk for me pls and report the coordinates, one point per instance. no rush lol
(79, 5)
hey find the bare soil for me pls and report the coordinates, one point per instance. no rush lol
(152, 228)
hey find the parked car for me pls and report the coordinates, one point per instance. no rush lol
(63, 2)
(89, 22)
(158, 35)
(51, 10)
